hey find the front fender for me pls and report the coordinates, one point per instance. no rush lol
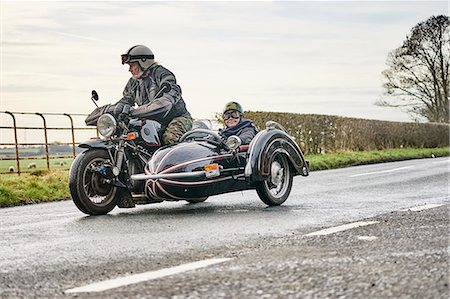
(97, 143)
(264, 146)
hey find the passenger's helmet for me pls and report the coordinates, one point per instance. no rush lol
(233, 106)
(141, 54)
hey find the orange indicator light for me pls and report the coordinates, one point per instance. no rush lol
(132, 136)
(211, 167)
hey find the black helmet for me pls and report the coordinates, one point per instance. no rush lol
(141, 54)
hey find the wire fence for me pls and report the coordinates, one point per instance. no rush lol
(17, 156)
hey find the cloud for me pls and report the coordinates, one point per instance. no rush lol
(269, 55)
(25, 88)
(82, 37)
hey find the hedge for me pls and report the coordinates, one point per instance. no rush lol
(328, 133)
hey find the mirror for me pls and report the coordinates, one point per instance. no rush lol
(166, 87)
(94, 96)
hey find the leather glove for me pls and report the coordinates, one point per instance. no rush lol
(122, 108)
(127, 109)
(118, 109)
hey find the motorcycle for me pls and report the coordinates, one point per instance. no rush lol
(99, 177)
(129, 166)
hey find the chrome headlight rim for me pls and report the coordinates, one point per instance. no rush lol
(233, 142)
(106, 125)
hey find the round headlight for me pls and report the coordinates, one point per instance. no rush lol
(106, 125)
(233, 142)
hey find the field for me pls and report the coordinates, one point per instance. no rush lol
(41, 164)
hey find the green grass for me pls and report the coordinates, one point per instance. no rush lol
(41, 164)
(344, 159)
(39, 186)
(43, 186)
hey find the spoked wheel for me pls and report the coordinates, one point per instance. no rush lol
(90, 192)
(276, 188)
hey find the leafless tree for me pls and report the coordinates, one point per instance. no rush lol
(418, 73)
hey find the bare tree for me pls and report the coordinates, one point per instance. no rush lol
(418, 73)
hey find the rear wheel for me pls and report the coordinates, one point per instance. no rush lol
(276, 188)
(89, 190)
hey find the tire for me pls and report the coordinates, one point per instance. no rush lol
(89, 193)
(196, 200)
(276, 188)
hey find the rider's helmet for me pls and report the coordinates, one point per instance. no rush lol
(233, 106)
(141, 54)
(232, 109)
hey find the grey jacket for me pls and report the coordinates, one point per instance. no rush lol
(245, 130)
(143, 92)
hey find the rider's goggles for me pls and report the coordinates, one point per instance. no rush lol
(126, 58)
(231, 114)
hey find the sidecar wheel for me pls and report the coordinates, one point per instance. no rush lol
(276, 188)
(89, 193)
(197, 200)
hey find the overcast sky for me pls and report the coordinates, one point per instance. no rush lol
(302, 57)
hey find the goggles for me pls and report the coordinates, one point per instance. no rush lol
(128, 58)
(231, 114)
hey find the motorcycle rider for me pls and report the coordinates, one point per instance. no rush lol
(235, 125)
(155, 91)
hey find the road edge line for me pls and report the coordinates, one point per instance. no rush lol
(340, 228)
(145, 276)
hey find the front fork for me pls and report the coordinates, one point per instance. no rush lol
(120, 154)
(113, 169)
(118, 157)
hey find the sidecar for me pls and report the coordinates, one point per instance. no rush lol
(202, 165)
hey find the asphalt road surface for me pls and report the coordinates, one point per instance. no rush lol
(377, 231)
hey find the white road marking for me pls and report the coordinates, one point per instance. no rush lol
(381, 171)
(421, 208)
(141, 277)
(336, 229)
(367, 238)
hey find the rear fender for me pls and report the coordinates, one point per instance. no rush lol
(265, 146)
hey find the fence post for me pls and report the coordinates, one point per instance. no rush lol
(46, 140)
(73, 134)
(15, 141)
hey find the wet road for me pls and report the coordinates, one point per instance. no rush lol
(48, 249)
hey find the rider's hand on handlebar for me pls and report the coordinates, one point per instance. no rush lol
(127, 109)
(122, 108)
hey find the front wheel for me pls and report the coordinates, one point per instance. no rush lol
(89, 190)
(276, 188)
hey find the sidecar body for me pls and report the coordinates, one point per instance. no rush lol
(200, 167)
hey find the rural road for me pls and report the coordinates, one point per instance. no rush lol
(386, 237)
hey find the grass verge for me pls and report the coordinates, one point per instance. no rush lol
(39, 186)
(43, 186)
(345, 159)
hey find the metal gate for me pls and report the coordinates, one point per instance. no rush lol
(14, 155)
